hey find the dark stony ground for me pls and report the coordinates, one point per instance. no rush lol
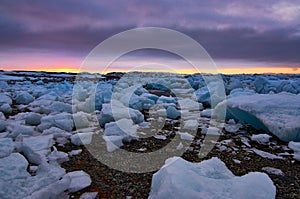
(111, 183)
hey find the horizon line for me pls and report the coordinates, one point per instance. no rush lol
(183, 73)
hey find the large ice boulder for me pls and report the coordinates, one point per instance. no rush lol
(167, 100)
(88, 106)
(195, 81)
(33, 119)
(291, 86)
(122, 127)
(6, 147)
(63, 121)
(203, 95)
(190, 125)
(21, 129)
(13, 166)
(278, 114)
(57, 157)
(81, 138)
(6, 109)
(37, 148)
(56, 132)
(211, 94)
(233, 83)
(38, 91)
(61, 107)
(140, 90)
(140, 103)
(40, 106)
(5, 99)
(189, 104)
(24, 97)
(117, 132)
(208, 179)
(15, 182)
(150, 96)
(240, 91)
(266, 85)
(120, 111)
(263, 85)
(79, 180)
(206, 113)
(173, 113)
(134, 99)
(79, 93)
(157, 86)
(81, 120)
(3, 85)
(47, 187)
(103, 94)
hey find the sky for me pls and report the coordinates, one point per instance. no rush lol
(241, 36)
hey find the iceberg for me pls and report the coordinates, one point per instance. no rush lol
(179, 178)
(278, 114)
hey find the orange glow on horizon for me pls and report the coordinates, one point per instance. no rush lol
(275, 70)
(62, 70)
(262, 70)
(228, 71)
(51, 63)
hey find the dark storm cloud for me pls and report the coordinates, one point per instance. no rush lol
(271, 45)
(234, 30)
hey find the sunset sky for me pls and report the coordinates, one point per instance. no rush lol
(241, 36)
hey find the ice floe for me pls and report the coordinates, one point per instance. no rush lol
(208, 179)
(275, 113)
